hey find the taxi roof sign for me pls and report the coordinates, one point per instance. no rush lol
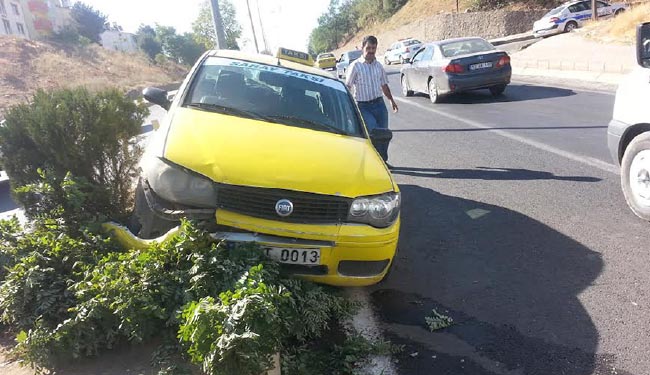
(295, 56)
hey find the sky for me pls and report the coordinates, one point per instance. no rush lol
(287, 23)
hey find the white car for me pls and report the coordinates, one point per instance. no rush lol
(402, 51)
(570, 16)
(628, 134)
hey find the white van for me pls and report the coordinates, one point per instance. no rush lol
(628, 134)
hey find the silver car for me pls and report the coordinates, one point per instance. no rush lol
(454, 66)
(344, 61)
(401, 51)
(571, 15)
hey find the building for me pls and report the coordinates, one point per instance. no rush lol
(45, 17)
(117, 40)
(13, 18)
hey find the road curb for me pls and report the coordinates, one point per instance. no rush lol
(580, 75)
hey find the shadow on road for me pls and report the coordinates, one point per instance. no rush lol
(514, 93)
(491, 174)
(6, 203)
(510, 283)
(496, 128)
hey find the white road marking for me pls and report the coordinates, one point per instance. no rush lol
(365, 323)
(593, 162)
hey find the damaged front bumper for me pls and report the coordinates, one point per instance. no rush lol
(340, 254)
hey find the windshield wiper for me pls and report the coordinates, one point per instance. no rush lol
(308, 124)
(227, 110)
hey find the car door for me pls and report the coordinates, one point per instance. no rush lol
(395, 52)
(584, 12)
(425, 66)
(420, 69)
(604, 9)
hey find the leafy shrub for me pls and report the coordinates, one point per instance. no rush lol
(91, 136)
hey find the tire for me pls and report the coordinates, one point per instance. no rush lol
(433, 91)
(635, 175)
(570, 26)
(406, 91)
(144, 221)
(386, 61)
(497, 90)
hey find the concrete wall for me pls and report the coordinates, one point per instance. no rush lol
(488, 25)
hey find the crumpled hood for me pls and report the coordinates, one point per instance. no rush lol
(239, 151)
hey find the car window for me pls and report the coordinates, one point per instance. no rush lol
(274, 94)
(419, 55)
(579, 7)
(411, 42)
(464, 47)
(325, 55)
(354, 55)
(586, 5)
(601, 4)
(427, 55)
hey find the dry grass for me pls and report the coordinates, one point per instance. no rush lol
(26, 66)
(620, 29)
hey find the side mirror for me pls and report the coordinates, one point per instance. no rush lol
(643, 44)
(380, 135)
(156, 96)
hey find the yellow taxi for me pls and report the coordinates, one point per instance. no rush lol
(275, 153)
(326, 61)
(295, 56)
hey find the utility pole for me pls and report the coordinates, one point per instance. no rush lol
(259, 16)
(594, 10)
(457, 6)
(250, 16)
(218, 25)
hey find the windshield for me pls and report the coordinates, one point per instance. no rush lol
(354, 55)
(273, 94)
(554, 12)
(411, 42)
(325, 55)
(465, 47)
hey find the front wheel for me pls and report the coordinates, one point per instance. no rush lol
(635, 175)
(406, 91)
(433, 91)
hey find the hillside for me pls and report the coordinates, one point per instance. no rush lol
(27, 65)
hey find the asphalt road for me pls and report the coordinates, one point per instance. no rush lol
(514, 226)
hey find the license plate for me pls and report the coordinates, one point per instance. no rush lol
(294, 255)
(480, 66)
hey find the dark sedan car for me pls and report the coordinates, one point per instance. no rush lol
(456, 65)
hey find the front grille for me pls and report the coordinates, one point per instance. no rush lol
(308, 208)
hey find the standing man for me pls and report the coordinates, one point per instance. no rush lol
(367, 79)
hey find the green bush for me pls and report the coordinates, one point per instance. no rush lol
(89, 135)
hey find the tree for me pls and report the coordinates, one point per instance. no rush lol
(203, 26)
(89, 22)
(147, 42)
(181, 48)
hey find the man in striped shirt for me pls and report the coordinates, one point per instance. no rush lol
(367, 79)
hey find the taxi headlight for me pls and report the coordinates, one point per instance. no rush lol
(379, 211)
(176, 184)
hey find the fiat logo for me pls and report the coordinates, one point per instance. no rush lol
(284, 207)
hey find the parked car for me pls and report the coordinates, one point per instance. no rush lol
(274, 153)
(456, 65)
(326, 61)
(628, 134)
(572, 15)
(401, 51)
(344, 61)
